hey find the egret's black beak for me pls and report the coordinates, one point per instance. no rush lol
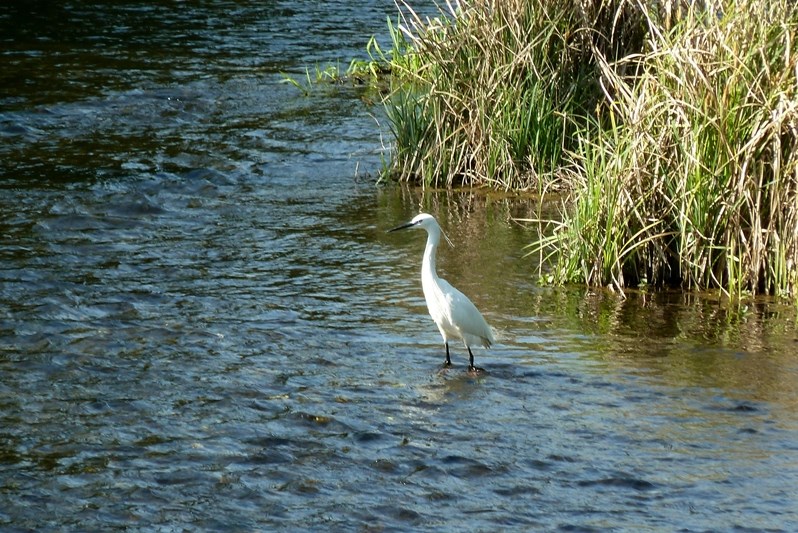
(403, 226)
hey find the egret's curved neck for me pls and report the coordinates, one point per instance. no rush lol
(430, 253)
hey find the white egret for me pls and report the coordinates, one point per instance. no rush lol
(454, 314)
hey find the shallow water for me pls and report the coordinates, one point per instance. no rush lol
(204, 326)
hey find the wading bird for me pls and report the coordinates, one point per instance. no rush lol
(452, 311)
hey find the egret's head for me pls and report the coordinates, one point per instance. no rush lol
(422, 220)
(427, 222)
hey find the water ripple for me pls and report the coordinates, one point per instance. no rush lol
(204, 326)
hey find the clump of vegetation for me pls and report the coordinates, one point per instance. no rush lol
(495, 91)
(694, 180)
(674, 126)
(372, 73)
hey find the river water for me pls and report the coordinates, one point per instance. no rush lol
(204, 326)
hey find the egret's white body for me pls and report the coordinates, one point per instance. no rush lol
(454, 314)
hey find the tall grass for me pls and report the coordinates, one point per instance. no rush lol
(494, 89)
(696, 183)
(674, 125)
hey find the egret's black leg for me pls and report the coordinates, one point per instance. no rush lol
(471, 367)
(448, 360)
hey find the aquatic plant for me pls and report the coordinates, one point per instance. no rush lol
(694, 180)
(372, 73)
(492, 92)
(673, 125)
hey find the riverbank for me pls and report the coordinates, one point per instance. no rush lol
(673, 129)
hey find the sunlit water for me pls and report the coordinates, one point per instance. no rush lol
(204, 326)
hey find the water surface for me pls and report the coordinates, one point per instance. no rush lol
(204, 326)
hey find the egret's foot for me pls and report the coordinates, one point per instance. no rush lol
(476, 370)
(444, 370)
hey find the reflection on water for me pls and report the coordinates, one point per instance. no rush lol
(203, 324)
